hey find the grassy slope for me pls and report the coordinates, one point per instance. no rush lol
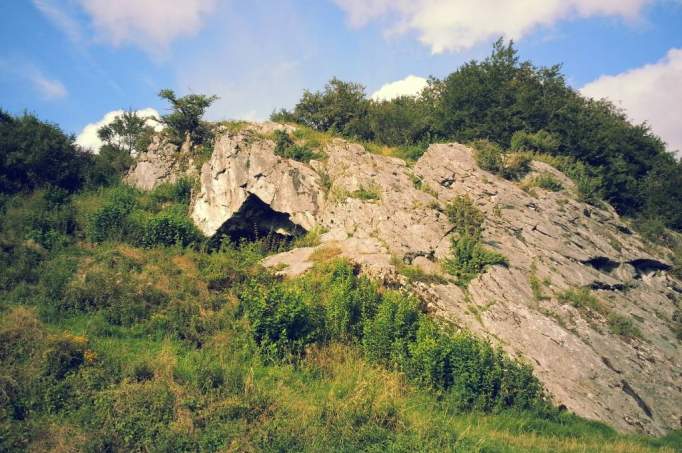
(84, 369)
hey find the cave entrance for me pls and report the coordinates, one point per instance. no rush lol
(257, 220)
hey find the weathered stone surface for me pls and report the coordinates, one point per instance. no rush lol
(163, 162)
(380, 211)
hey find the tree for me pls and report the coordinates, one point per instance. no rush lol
(128, 131)
(184, 120)
(341, 107)
(34, 153)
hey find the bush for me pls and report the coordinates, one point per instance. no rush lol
(134, 417)
(65, 354)
(466, 218)
(623, 326)
(388, 334)
(541, 142)
(178, 192)
(285, 147)
(282, 323)
(476, 375)
(544, 181)
(489, 156)
(470, 258)
(110, 222)
(515, 166)
(166, 228)
(350, 302)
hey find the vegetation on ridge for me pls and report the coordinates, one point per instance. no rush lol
(515, 105)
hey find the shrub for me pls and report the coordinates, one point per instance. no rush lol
(367, 193)
(541, 141)
(66, 353)
(350, 302)
(582, 299)
(466, 218)
(476, 375)
(544, 181)
(134, 417)
(285, 147)
(184, 120)
(387, 335)
(515, 166)
(166, 228)
(470, 258)
(489, 156)
(623, 326)
(179, 192)
(281, 322)
(110, 222)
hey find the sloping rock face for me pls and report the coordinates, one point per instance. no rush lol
(163, 162)
(383, 214)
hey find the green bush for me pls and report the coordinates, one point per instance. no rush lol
(489, 156)
(544, 181)
(470, 258)
(541, 142)
(64, 354)
(350, 302)
(110, 222)
(179, 192)
(285, 147)
(466, 218)
(166, 228)
(623, 326)
(134, 417)
(387, 336)
(282, 323)
(476, 375)
(515, 166)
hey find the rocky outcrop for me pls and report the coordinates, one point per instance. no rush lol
(385, 214)
(163, 162)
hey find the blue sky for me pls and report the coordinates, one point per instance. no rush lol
(74, 61)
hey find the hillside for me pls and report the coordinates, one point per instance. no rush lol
(578, 288)
(285, 289)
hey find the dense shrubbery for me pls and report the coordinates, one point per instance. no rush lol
(393, 332)
(285, 147)
(521, 107)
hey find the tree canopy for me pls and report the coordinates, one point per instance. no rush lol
(499, 97)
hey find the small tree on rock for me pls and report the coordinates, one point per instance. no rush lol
(129, 132)
(185, 117)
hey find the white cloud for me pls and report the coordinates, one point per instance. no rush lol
(456, 25)
(150, 24)
(409, 86)
(88, 138)
(651, 93)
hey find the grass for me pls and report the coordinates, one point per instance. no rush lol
(368, 193)
(165, 357)
(543, 181)
(583, 300)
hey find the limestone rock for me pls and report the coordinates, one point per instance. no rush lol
(379, 211)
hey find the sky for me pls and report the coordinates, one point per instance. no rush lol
(78, 63)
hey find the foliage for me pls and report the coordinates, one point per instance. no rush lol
(465, 217)
(285, 147)
(128, 132)
(489, 156)
(623, 326)
(583, 299)
(514, 104)
(544, 181)
(35, 154)
(470, 258)
(538, 142)
(367, 193)
(184, 120)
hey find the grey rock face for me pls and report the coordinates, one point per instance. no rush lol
(163, 162)
(379, 211)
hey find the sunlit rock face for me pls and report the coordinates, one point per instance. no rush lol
(382, 213)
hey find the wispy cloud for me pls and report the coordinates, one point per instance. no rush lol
(651, 93)
(48, 89)
(457, 25)
(56, 12)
